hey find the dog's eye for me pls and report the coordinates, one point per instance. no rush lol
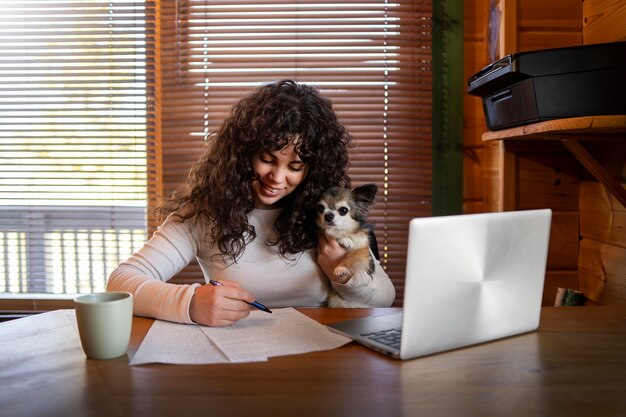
(320, 208)
(343, 211)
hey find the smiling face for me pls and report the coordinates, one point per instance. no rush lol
(279, 173)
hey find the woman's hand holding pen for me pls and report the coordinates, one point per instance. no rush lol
(222, 305)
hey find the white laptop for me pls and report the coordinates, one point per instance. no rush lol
(469, 279)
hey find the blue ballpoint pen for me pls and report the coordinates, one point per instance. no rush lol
(253, 304)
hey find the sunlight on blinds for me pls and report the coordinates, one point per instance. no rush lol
(73, 141)
(72, 103)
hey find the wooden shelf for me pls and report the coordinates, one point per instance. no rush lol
(581, 128)
(571, 133)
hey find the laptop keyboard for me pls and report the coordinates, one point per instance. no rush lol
(389, 337)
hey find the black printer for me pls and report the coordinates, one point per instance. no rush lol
(529, 87)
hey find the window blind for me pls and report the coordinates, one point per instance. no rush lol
(77, 133)
(372, 58)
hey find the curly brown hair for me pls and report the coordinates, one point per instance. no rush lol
(218, 188)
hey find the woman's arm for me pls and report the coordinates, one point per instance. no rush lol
(360, 290)
(145, 274)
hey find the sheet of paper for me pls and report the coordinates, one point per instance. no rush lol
(56, 328)
(256, 338)
(285, 332)
(178, 344)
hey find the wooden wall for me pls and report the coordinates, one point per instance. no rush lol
(602, 258)
(604, 21)
(475, 58)
(588, 241)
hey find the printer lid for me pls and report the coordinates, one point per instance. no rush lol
(521, 65)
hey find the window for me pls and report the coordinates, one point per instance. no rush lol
(105, 105)
(76, 130)
(372, 58)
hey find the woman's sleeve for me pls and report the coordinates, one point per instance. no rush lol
(364, 290)
(145, 274)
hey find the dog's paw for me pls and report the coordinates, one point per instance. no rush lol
(346, 243)
(342, 273)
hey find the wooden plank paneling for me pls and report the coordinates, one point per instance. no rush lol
(548, 24)
(563, 15)
(492, 177)
(612, 154)
(475, 20)
(508, 26)
(602, 217)
(475, 58)
(472, 132)
(602, 261)
(473, 122)
(474, 206)
(472, 173)
(563, 248)
(508, 179)
(535, 40)
(604, 21)
(602, 272)
(547, 180)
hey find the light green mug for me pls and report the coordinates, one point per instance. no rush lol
(104, 323)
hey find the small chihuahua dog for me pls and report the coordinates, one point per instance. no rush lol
(341, 214)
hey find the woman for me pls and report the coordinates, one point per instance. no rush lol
(247, 214)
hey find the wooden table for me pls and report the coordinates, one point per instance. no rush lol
(575, 365)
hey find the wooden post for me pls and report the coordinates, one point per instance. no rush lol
(447, 112)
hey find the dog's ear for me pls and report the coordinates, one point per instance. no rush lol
(365, 194)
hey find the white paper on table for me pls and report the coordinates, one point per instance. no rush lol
(284, 332)
(177, 344)
(254, 339)
(55, 328)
